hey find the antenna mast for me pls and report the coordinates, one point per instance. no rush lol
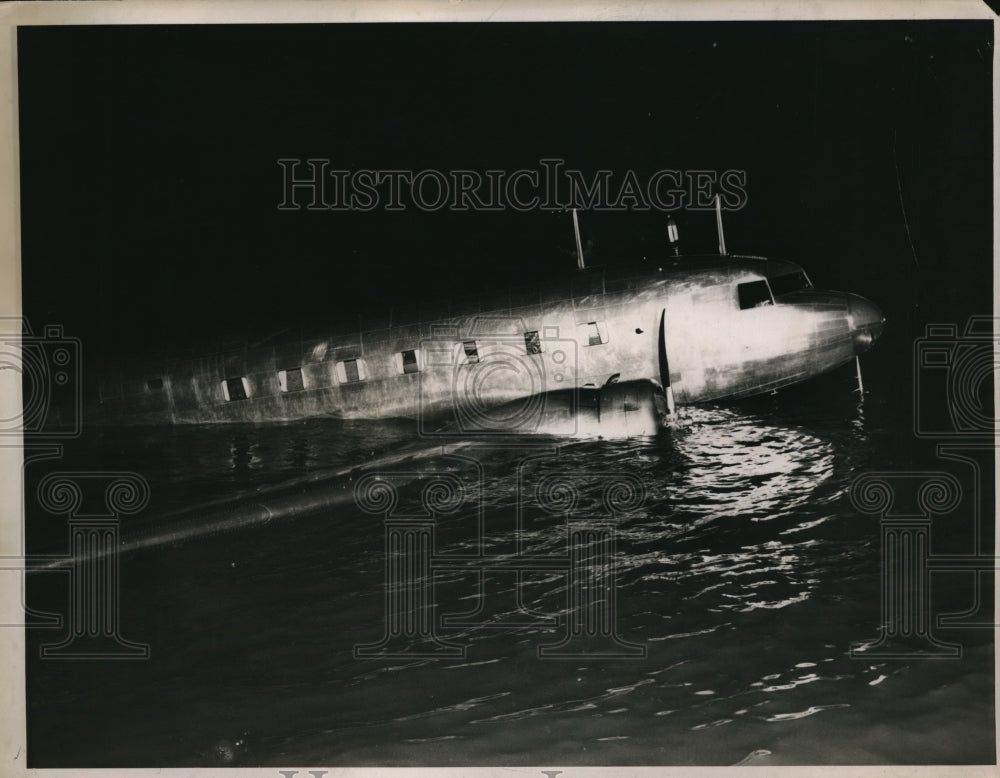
(718, 222)
(579, 247)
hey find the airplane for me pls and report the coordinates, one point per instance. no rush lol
(605, 351)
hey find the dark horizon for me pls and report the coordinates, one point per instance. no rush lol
(151, 184)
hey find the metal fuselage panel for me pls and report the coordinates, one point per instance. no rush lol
(596, 325)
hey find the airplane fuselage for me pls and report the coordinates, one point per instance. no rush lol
(710, 327)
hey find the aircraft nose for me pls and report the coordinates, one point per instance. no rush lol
(867, 323)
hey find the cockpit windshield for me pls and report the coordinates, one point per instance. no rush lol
(790, 282)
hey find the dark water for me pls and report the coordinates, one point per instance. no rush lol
(745, 573)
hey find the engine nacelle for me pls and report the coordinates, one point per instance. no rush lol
(615, 410)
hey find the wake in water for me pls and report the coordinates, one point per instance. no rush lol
(722, 463)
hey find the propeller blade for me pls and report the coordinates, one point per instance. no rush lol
(664, 362)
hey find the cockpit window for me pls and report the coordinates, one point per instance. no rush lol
(790, 282)
(754, 294)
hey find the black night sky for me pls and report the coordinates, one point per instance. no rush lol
(150, 183)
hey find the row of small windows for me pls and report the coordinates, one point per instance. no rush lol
(351, 371)
(595, 332)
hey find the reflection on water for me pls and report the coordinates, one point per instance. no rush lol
(742, 570)
(738, 465)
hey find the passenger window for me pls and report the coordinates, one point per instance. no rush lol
(235, 389)
(154, 384)
(532, 343)
(291, 380)
(596, 333)
(408, 362)
(350, 371)
(754, 294)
